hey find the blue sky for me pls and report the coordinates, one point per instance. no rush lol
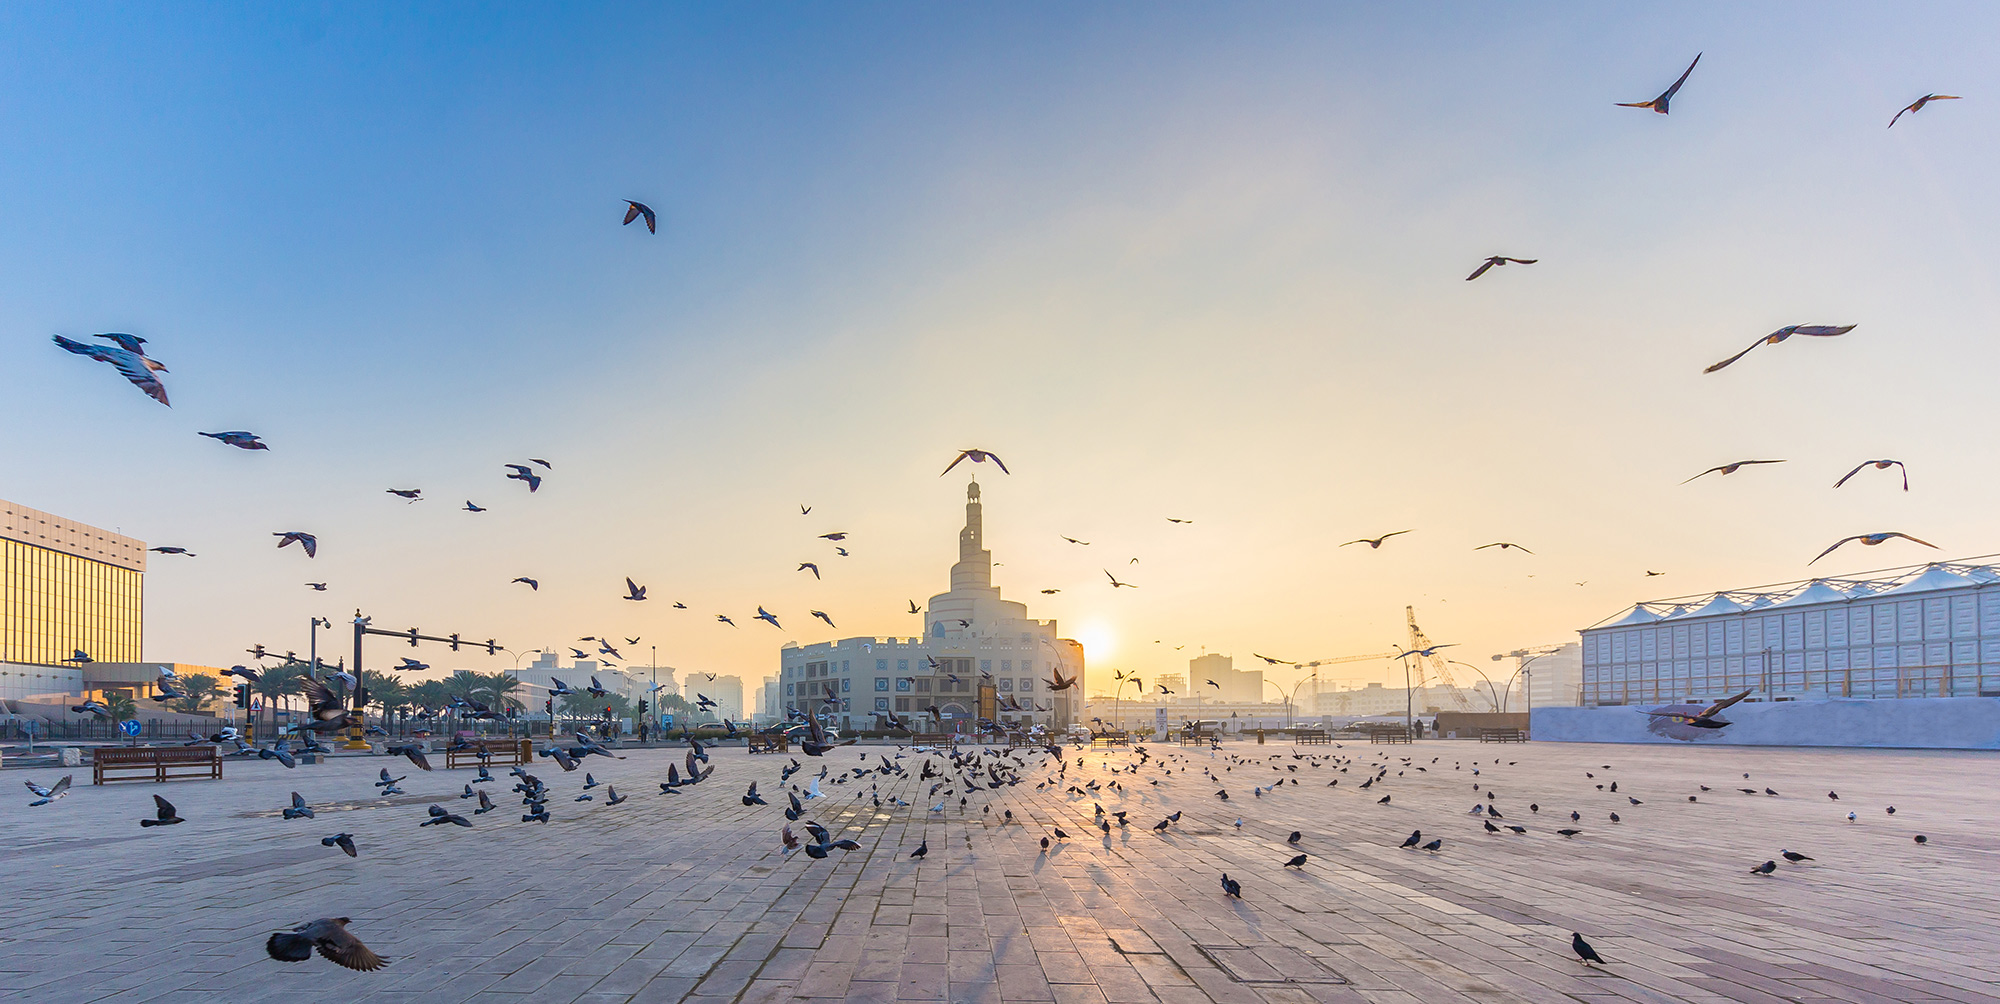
(1195, 261)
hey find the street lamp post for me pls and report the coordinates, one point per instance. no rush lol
(1290, 702)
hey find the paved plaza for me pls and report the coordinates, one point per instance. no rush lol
(688, 896)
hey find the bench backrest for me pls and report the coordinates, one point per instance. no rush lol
(152, 754)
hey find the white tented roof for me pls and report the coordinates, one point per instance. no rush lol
(1968, 573)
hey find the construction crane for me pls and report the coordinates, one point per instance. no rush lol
(1423, 649)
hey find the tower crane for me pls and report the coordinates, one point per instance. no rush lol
(1423, 650)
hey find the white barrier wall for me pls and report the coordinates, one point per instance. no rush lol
(1911, 723)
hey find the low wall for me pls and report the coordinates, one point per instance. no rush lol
(1911, 723)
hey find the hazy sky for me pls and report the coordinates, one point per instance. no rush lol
(1200, 261)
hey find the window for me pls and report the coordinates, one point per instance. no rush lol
(986, 665)
(902, 704)
(843, 665)
(903, 685)
(881, 665)
(924, 686)
(1027, 683)
(882, 682)
(844, 681)
(788, 689)
(1006, 684)
(881, 704)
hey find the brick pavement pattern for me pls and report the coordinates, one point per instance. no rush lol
(687, 897)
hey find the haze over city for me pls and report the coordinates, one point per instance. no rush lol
(1200, 264)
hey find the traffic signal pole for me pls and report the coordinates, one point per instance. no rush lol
(413, 636)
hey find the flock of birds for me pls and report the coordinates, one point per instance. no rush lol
(946, 782)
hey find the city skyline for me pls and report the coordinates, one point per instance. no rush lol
(1218, 277)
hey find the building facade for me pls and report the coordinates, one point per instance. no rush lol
(1923, 631)
(1556, 679)
(67, 587)
(973, 639)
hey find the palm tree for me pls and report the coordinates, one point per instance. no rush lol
(431, 695)
(120, 705)
(199, 688)
(387, 692)
(498, 690)
(279, 682)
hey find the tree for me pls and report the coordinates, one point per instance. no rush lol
(200, 689)
(121, 705)
(279, 683)
(496, 690)
(386, 692)
(430, 695)
(581, 705)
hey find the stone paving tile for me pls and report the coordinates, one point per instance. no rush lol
(687, 898)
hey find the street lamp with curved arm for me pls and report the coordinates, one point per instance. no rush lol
(1492, 696)
(1290, 702)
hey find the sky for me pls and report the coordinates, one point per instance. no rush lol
(1203, 261)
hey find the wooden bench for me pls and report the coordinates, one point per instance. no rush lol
(1502, 736)
(765, 742)
(1111, 737)
(933, 738)
(1392, 734)
(501, 753)
(153, 763)
(1200, 737)
(1312, 737)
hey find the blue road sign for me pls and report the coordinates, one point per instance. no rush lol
(669, 719)
(129, 726)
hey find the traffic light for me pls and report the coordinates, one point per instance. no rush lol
(454, 641)
(413, 637)
(642, 705)
(490, 646)
(549, 706)
(256, 650)
(242, 695)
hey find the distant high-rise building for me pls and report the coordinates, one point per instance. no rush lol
(1233, 686)
(67, 587)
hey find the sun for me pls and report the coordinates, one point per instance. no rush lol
(1098, 640)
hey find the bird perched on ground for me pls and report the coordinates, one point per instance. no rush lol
(330, 936)
(1413, 839)
(1914, 108)
(1584, 953)
(344, 841)
(1920, 838)
(1870, 540)
(1375, 543)
(1297, 862)
(1728, 469)
(1569, 832)
(439, 815)
(163, 814)
(977, 457)
(1435, 845)
(523, 472)
(305, 540)
(1231, 887)
(1765, 869)
(1880, 465)
(1295, 837)
(298, 809)
(1813, 330)
(1498, 260)
(634, 210)
(1660, 103)
(924, 848)
(1793, 856)
(239, 439)
(128, 359)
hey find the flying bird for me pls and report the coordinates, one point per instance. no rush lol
(522, 472)
(173, 550)
(1871, 539)
(1050, 592)
(1916, 107)
(724, 618)
(317, 587)
(634, 210)
(412, 494)
(837, 535)
(1498, 260)
(1375, 542)
(769, 618)
(977, 457)
(240, 440)
(1073, 540)
(305, 540)
(330, 937)
(1728, 469)
(163, 814)
(1659, 104)
(49, 794)
(1115, 584)
(1504, 545)
(344, 841)
(821, 614)
(532, 583)
(808, 566)
(1813, 330)
(128, 360)
(469, 507)
(913, 607)
(633, 591)
(1880, 465)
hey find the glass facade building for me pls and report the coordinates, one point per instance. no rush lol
(66, 586)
